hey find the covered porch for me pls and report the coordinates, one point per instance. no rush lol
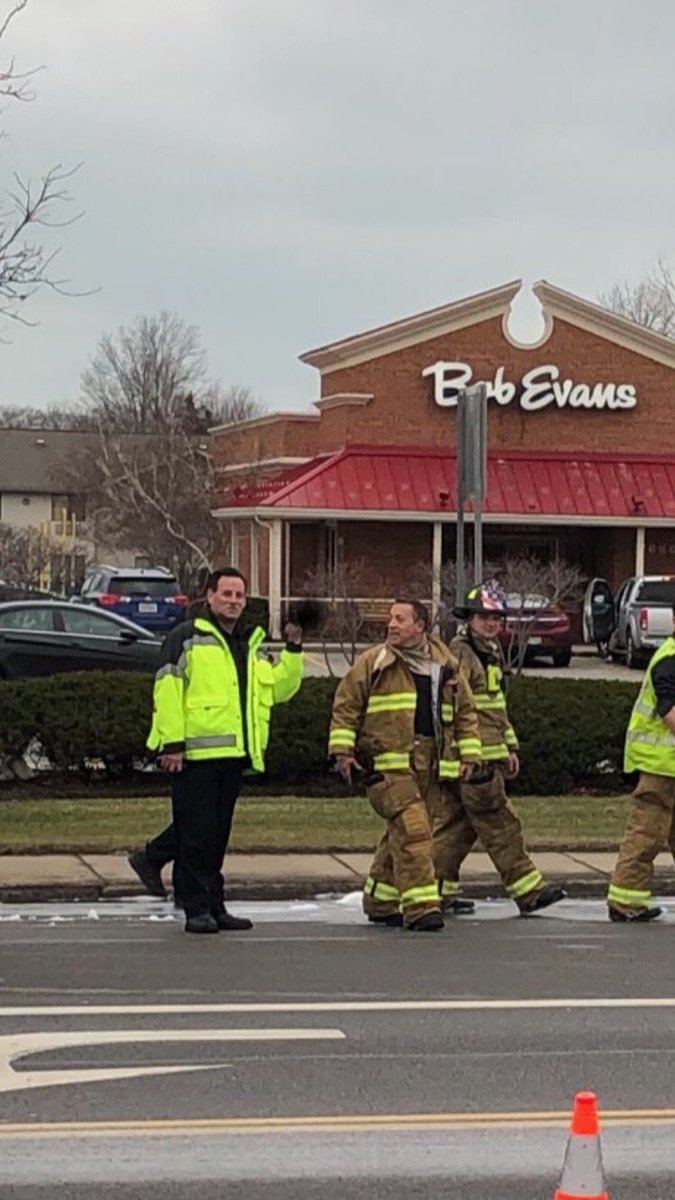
(384, 517)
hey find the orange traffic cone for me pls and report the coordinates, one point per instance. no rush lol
(583, 1177)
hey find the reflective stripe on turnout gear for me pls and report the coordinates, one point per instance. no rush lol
(628, 897)
(428, 894)
(391, 762)
(527, 883)
(380, 891)
(394, 702)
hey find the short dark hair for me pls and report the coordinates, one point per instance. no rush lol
(224, 573)
(420, 611)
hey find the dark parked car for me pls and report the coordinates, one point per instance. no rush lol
(46, 637)
(149, 596)
(545, 628)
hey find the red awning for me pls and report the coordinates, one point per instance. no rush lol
(363, 478)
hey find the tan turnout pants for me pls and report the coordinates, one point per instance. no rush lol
(402, 872)
(469, 811)
(650, 828)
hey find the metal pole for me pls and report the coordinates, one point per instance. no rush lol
(478, 539)
(460, 581)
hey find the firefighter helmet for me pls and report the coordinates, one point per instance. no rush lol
(486, 600)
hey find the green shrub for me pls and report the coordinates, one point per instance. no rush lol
(77, 717)
(571, 731)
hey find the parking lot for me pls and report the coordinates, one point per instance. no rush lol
(586, 664)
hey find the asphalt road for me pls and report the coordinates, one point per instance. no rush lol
(318, 1057)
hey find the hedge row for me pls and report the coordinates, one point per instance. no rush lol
(571, 731)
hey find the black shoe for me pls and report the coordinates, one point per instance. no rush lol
(393, 919)
(225, 920)
(549, 895)
(459, 907)
(640, 914)
(204, 923)
(150, 876)
(427, 923)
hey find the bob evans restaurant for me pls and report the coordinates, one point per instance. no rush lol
(581, 451)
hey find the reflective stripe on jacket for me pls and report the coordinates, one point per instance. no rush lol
(197, 702)
(376, 701)
(486, 680)
(650, 743)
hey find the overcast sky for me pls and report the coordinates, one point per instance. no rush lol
(282, 173)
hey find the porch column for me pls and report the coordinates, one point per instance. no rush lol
(234, 544)
(275, 564)
(436, 567)
(254, 581)
(640, 550)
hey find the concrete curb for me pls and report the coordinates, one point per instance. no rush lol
(298, 889)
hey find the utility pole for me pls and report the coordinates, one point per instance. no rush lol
(471, 476)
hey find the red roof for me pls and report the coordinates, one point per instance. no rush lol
(423, 479)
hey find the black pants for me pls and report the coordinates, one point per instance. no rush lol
(163, 848)
(203, 796)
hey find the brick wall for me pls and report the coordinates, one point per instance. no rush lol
(388, 553)
(403, 410)
(285, 438)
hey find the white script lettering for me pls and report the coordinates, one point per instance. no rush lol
(537, 389)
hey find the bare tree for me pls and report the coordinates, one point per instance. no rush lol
(531, 585)
(26, 264)
(144, 378)
(345, 617)
(53, 417)
(651, 302)
(228, 406)
(153, 496)
(25, 557)
(151, 376)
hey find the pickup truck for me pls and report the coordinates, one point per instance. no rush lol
(632, 624)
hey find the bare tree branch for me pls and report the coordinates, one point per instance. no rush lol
(25, 556)
(25, 262)
(344, 615)
(650, 303)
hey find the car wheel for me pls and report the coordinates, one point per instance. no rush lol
(562, 658)
(632, 660)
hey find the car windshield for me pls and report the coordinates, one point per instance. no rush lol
(121, 586)
(656, 591)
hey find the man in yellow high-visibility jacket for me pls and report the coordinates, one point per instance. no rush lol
(213, 697)
(650, 749)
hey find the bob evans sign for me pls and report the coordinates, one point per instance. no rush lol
(538, 388)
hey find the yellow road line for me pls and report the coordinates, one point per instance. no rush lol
(322, 1124)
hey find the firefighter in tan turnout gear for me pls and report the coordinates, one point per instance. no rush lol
(417, 723)
(478, 807)
(650, 749)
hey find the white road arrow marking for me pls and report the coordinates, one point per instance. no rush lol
(16, 1046)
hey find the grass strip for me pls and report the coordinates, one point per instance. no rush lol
(278, 823)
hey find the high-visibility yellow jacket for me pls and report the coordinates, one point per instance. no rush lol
(197, 701)
(650, 743)
(485, 676)
(376, 699)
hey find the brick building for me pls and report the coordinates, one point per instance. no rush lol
(581, 455)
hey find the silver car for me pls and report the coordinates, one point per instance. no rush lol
(632, 624)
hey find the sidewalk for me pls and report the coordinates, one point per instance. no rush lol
(286, 876)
